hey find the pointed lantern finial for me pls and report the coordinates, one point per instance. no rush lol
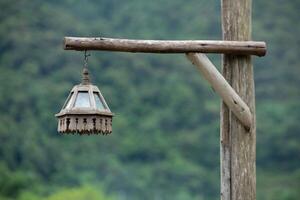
(85, 77)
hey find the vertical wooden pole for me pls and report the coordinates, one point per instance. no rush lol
(238, 145)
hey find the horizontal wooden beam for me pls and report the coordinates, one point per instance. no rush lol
(222, 87)
(165, 46)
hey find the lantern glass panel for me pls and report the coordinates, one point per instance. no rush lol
(68, 102)
(99, 103)
(82, 100)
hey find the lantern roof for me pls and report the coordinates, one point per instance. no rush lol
(85, 98)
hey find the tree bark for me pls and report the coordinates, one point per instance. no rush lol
(238, 146)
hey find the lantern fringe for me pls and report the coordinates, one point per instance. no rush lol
(85, 125)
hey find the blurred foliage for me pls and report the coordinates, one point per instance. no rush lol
(79, 193)
(165, 143)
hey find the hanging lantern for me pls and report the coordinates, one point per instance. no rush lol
(85, 110)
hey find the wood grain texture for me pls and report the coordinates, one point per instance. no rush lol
(165, 46)
(222, 87)
(238, 145)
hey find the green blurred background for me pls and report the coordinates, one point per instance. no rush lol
(165, 141)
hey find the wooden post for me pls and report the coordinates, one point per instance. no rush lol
(237, 145)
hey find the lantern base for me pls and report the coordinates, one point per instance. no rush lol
(85, 124)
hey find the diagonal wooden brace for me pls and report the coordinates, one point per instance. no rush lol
(222, 87)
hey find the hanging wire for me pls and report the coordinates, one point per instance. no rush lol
(86, 59)
(85, 72)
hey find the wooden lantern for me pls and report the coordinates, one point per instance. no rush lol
(85, 110)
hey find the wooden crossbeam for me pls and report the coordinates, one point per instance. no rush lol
(165, 46)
